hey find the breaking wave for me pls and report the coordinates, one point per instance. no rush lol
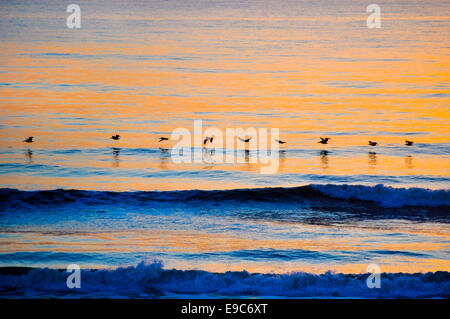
(383, 196)
(387, 196)
(151, 280)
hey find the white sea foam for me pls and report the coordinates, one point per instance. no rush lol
(152, 280)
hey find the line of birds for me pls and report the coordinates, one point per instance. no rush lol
(323, 140)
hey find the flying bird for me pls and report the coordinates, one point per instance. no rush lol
(324, 140)
(373, 143)
(162, 138)
(208, 139)
(279, 141)
(115, 137)
(29, 140)
(409, 143)
(245, 140)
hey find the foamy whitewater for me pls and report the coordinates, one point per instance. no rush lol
(151, 280)
(193, 231)
(144, 69)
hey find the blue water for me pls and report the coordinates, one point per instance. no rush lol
(140, 225)
(151, 280)
(214, 235)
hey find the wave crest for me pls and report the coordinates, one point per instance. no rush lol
(386, 196)
(381, 195)
(151, 280)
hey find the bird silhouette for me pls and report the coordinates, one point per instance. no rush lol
(373, 143)
(245, 140)
(115, 137)
(324, 140)
(208, 139)
(409, 143)
(279, 141)
(162, 138)
(29, 140)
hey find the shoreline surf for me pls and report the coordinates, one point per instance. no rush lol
(151, 280)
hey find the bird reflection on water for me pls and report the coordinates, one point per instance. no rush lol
(409, 162)
(372, 159)
(29, 156)
(324, 159)
(116, 153)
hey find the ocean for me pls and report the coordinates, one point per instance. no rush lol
(141, 225)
